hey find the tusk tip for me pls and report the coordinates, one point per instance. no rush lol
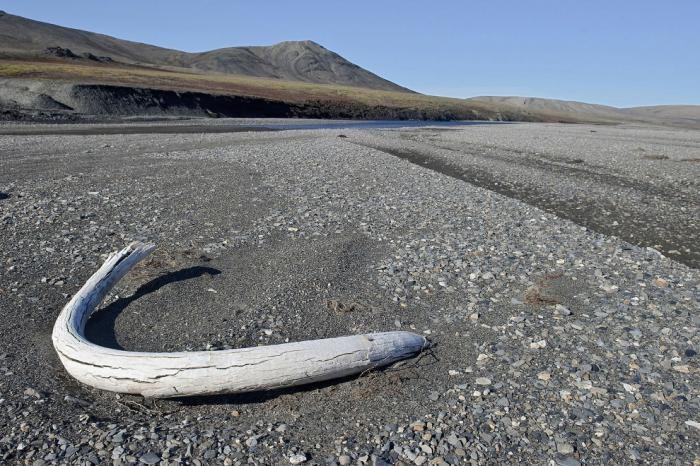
(412, 342)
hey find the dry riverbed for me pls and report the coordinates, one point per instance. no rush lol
(553, 266)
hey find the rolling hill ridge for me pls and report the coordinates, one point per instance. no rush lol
(63, 72)
(677, 115)
(304, 61)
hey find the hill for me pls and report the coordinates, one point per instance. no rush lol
(58, 72)
(677, 115)
(304, 61)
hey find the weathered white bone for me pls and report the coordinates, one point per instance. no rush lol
(179, 374)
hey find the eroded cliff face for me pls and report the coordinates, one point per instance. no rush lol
(67, 99)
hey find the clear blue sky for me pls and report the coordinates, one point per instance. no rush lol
(615, 52)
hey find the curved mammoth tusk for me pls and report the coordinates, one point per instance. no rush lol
(178, 374)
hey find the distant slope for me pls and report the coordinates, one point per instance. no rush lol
(556, 107)
(304, 61)
(24, 36)
(682, 115)
(677, 115)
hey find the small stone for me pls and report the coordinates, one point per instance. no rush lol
(344, 460)
(418, 426)
(609, 288)
(538, 344)
(483, 381)
(567, 461)
(693, 424)
(76, 401)
(689, 353)
(297, 458)
(629, 388)
(660, 283)
(544, 376)
(565, 448)
(31, 392)
(150, 458)
(453, 440)
(584, 384)
(634, 454)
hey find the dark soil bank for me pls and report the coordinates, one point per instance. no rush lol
(120, 101)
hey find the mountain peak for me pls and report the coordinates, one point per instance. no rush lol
(305, 42)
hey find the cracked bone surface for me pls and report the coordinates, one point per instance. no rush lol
(165, 375)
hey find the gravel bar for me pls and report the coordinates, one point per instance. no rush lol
(554, 267)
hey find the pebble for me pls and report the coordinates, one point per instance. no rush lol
(31, 392)
(297, 458)
(564, 448)
(150, 458)
(694, 424)
(660, 283)
(567, 461)
(538, 344)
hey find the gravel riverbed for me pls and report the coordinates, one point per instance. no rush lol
(554, 267)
